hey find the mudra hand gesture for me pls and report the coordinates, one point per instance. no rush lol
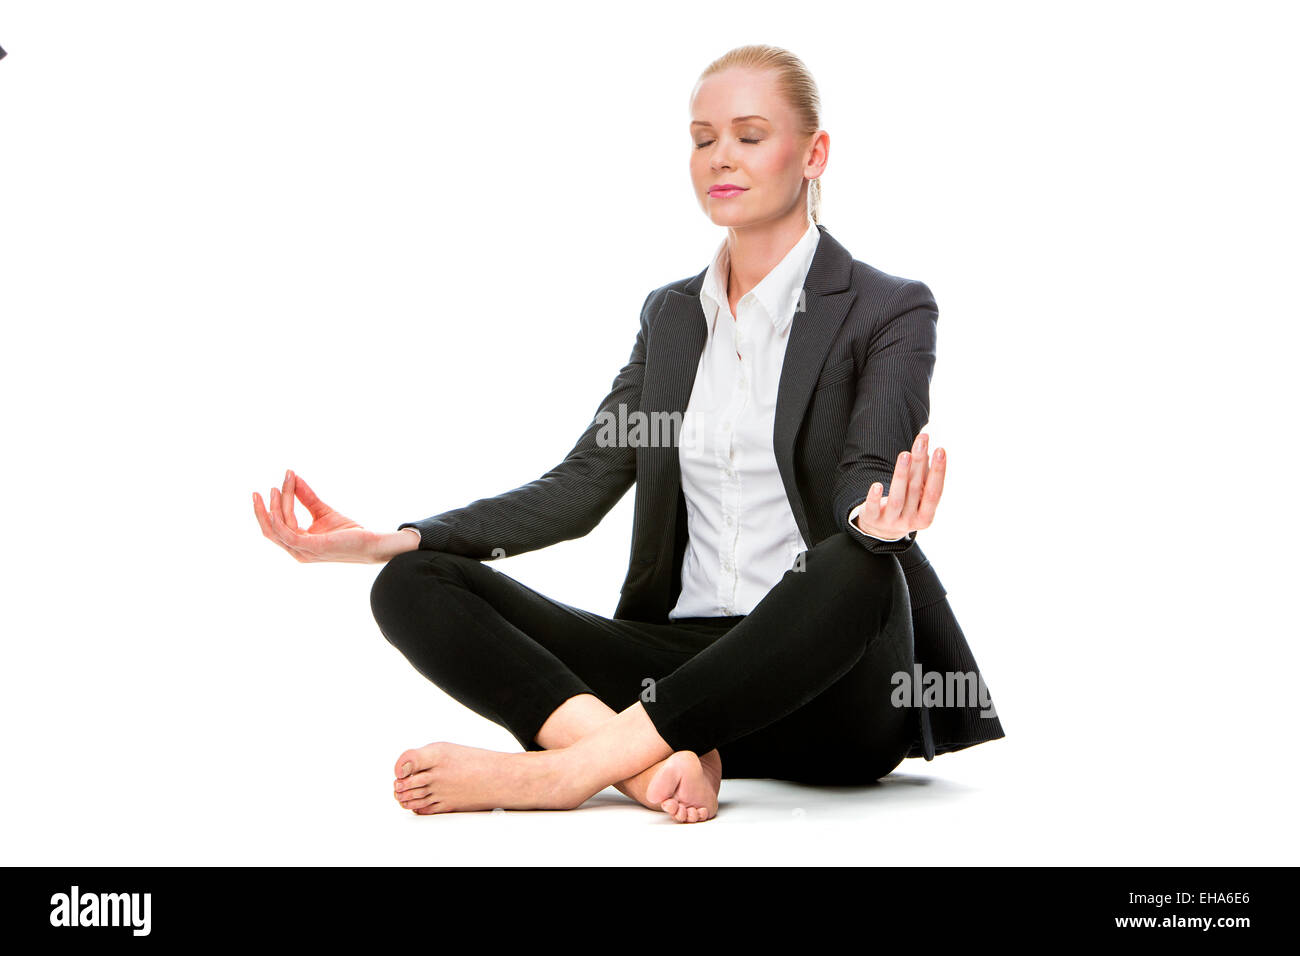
(331, 537)
(916, 487)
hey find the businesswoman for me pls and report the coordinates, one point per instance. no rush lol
(775, 592)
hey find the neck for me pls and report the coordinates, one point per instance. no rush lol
(754, 251)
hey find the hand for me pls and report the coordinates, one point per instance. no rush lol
(331, 537)
(916, 488)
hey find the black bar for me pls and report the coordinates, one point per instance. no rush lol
(318, 902)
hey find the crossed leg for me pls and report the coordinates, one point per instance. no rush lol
(458, 623)
(684, 785)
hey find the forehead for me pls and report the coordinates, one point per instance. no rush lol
(722, 97)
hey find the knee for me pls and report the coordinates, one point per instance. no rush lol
(867, 572)
(408, 573)
(870, 581)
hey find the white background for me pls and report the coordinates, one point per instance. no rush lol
(344, 238)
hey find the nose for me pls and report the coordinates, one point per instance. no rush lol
(720, 156)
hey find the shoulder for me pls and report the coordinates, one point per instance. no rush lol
(883, 292)
(891, 311)
(687, 285)
(876, 293)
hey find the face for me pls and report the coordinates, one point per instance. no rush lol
(745, 135)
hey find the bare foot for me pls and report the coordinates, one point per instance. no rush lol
(636, 786)
(443, 777)
(687, 786)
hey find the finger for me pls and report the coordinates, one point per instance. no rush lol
(869, 514)
(286, 501)
(274, 512)
(263, 519)
(875, 498)
(916, 479)
(268, 530)
(308, 497)
(897, 496)
(295, 541)
(933, 489)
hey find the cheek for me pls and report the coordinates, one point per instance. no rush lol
(777, 166)
(791, 165)
(699, 170)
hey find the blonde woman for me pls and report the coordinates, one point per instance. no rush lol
(776, 599)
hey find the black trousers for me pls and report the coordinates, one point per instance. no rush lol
(799, 689)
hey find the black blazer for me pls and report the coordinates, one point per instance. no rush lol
(854, 391)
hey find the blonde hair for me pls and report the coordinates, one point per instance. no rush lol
(796, 85)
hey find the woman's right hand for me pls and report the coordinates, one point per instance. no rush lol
(331, 537)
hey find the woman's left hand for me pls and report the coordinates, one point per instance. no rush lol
(916, 487)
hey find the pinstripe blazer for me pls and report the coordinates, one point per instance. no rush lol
(853, 393)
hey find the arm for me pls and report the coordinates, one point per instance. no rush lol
(892, 406)
(566, 502)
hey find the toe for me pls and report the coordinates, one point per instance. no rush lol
(405, 765)
(420, 758)
(406, 796)
(415, 781)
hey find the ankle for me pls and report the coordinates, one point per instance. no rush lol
(566, 777)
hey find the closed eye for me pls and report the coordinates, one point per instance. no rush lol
(743, 140)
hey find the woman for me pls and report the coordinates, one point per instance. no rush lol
(768, 617)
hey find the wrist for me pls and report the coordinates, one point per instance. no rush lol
(398, 542)
(855, 520)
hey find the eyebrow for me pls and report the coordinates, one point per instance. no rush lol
(738, 119)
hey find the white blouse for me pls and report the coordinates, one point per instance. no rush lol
(742, 532)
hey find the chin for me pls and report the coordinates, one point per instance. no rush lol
(729, 217)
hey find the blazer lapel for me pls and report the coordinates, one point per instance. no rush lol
(827, 300)
(672, 360)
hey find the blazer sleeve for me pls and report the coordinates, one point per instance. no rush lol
(566, 502)
(892, 406)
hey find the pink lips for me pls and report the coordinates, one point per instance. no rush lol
(724, 191)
